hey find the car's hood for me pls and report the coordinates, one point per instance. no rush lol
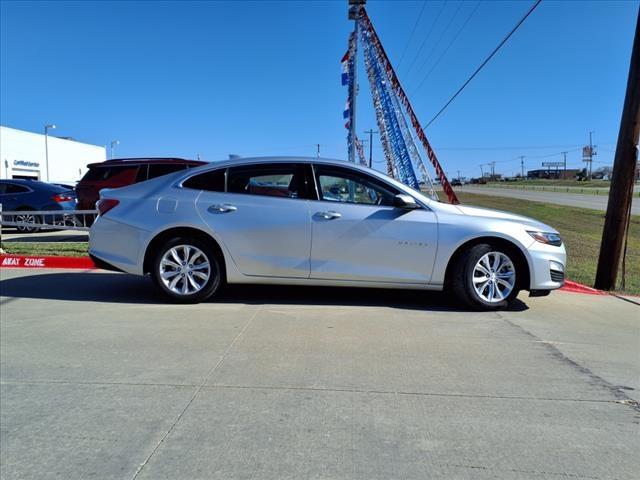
(488, 213)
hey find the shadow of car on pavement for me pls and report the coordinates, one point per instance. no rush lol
(122, 288)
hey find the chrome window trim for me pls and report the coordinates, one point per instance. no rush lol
(312, 163)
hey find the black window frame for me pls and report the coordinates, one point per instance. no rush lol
(323, 168)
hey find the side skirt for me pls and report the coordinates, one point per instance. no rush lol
(330, 283)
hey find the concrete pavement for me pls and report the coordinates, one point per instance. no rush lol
(593, 202)
(12, 235)
(100, 378)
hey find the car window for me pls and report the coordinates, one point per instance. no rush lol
(271, 180)
(157, 170)
(96, 174)
(13, 188)
(141, 176)
(342, 185)
(3, 188)
(212, 181)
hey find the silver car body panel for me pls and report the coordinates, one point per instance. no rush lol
(287, 241)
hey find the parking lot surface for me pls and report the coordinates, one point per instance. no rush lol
(101, 379)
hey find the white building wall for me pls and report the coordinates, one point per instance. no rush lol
(23, 154)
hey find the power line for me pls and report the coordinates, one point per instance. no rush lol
(442, 34)
(516, 147)
(426, 38)
(491, 55)
(424, 4)
(555, 154)
(450, 44)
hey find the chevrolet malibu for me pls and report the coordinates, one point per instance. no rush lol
(299, 221)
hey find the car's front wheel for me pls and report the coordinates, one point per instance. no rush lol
(485, 277)
(187, 270)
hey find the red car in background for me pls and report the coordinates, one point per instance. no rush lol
(124, 171)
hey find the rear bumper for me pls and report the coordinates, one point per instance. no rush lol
(117, 245)
(104, 265)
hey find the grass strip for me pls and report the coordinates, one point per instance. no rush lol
(47, 249)
(581, 231)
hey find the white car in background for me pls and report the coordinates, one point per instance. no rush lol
(301, 221)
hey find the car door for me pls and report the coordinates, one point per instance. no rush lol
(262, 217)
(359, 235)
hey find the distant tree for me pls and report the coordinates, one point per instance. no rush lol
(605, 172)
(582, 175)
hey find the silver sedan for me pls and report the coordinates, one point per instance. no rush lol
(300, 221)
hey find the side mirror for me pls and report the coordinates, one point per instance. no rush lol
(405, 202)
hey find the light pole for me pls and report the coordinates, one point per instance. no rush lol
(113, 145)
(46, 146)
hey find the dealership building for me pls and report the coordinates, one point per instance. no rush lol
(24, 155)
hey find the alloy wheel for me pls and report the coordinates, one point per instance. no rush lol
(27, 218)
(184, 269)
(494, 277)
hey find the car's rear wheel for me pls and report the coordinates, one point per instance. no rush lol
(187, 270)
(31, 222)
(485, 277)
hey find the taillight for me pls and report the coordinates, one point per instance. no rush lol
(62, 197)
(106, 204)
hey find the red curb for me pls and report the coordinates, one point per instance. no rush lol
(575, 287)
(19, 261)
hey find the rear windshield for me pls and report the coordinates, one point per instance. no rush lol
(159, 169)
(96, 174)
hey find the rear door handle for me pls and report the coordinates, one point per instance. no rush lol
(222, 208)
(329, 215)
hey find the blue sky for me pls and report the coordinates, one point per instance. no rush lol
(263, 78)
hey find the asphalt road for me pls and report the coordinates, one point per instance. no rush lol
(100, 379)
(593, 202)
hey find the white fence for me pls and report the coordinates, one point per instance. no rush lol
(34, 220)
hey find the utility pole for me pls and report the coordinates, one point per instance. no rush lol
(564, 174)
(354, 14)
(458, 175)
(371, 132)
(587, 155)
(616, 222)
(481, 171)
(592, 153)
(493, 170)
(522, 166)
(318, 150)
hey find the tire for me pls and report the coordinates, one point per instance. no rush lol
(473, 276)
(28, 218)
(165, 263)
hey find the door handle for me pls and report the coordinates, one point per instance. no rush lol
(329, 215)
(222, 208)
